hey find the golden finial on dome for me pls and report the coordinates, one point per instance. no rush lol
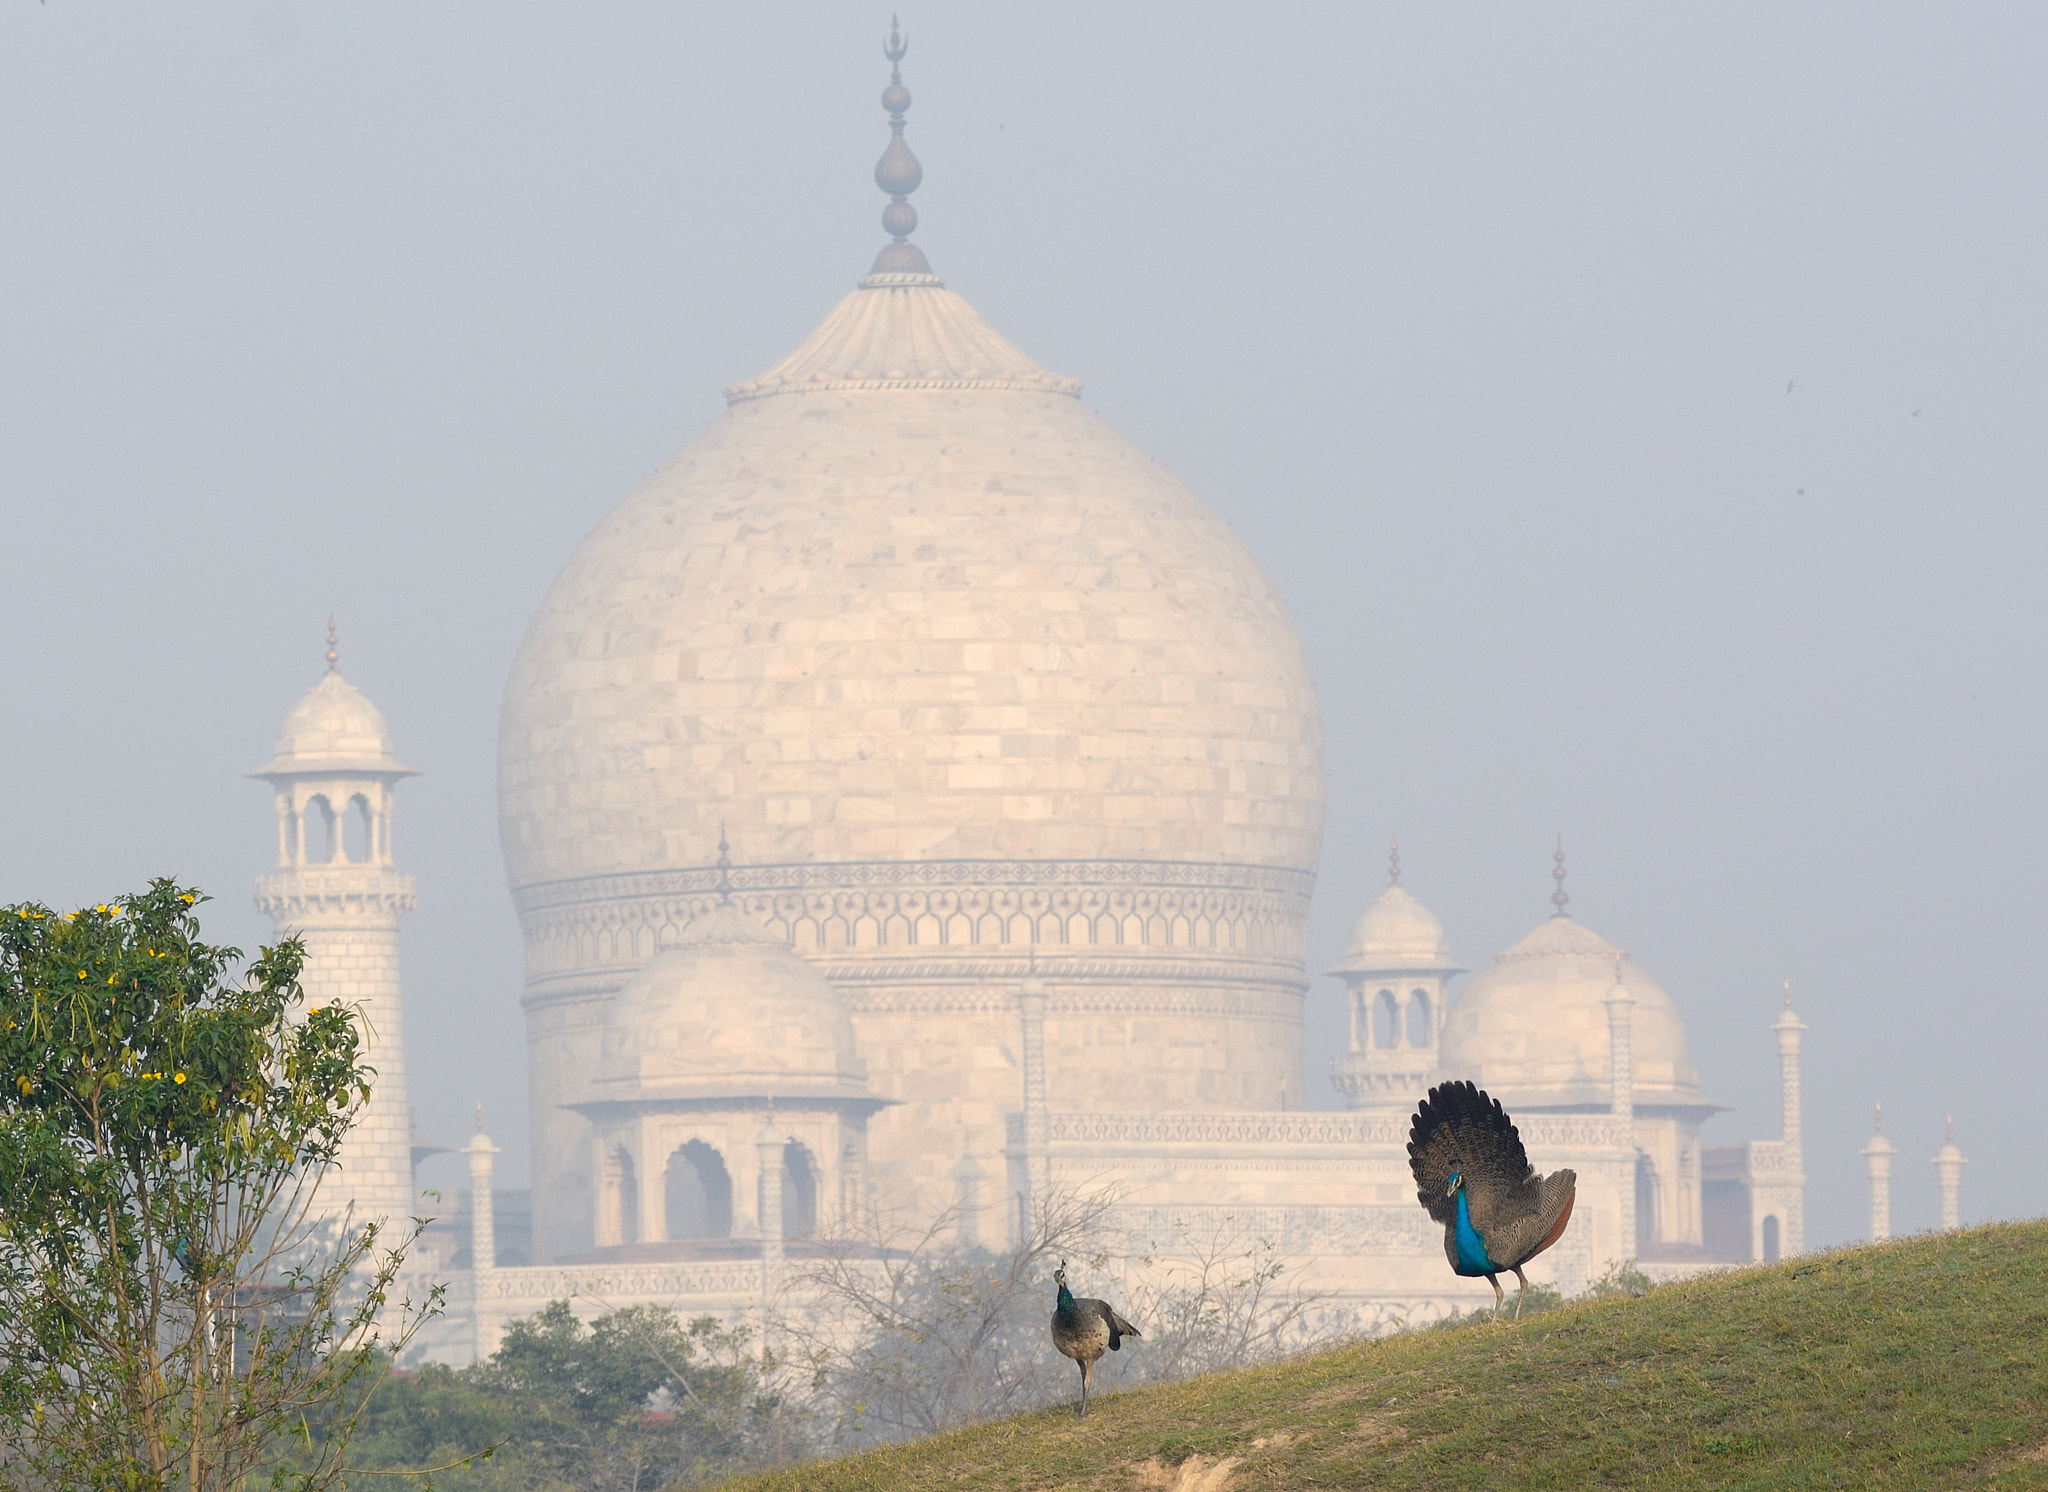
(898, 172)
(333, 646)
(1394, 863)
(1879, 1107)
(1558, 897)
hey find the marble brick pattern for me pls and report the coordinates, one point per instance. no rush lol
(348, 918)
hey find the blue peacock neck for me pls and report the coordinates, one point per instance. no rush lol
(1472, 1257)
(1067, 1296)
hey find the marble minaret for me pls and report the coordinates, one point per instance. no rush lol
(334, 887)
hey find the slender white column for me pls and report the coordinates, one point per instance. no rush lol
(1037, 1125)
(483, 1233)
(483, 1241)
(1621, 1100)
(1948, 1172)
(1877, 1156)
(768, 1146)
(1789, 1028)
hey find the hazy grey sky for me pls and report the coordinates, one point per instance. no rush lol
(1641, 410)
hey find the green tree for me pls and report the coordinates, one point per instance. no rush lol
(174, 1312)
(637, 1399)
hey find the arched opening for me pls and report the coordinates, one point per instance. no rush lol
(1386, 1021)
(1771, 1243)
(799, 1192)
(699, 1194)
(1647, 1231)
(625, 1189)
(1420, 1018)
(317, 835)
(355, 831)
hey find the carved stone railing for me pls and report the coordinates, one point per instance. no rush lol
(856, 913)
(1296, 1127)
(532, 1285)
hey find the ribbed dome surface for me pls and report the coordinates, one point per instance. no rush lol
(728, 1011)
(933, 607)
(333, 728)
(903, 331)
(1533, 1028)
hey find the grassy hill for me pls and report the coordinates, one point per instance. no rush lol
(1915, 1364)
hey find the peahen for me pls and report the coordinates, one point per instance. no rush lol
(1085, 1329)
(1473, 1176)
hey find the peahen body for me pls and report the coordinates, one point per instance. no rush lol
(1085, 1329)
(1473, 1176)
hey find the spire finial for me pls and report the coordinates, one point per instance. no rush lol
(898, 171)
(333, 646)
(1394, 863)
(724, 868)
(479, 1116)
(1879, 1107)
(1558, 897)
(1951, 1129)
(1788, 994)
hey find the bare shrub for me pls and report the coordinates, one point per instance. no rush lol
(909, 1335)
(1214, 1298)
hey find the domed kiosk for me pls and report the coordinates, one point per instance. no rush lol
(975, 684)
(715, 1031)
(1397, 972)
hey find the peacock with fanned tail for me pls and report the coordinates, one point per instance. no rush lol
(1472, 1175)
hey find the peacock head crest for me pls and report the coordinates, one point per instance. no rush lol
(1059, 1276)
(1457, 1178)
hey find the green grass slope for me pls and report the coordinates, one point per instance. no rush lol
(1915, 1364)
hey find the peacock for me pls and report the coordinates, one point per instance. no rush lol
(1473, 1176)
(1084, 1330)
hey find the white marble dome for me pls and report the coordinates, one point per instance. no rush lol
(728, 1012)
(333, 729)
(909, 599)
(1397, 932)
(1532, 1030)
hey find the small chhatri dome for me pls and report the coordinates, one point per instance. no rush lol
(334, 729)
(1533, 1029)
(729, 1011)
(1397, 933)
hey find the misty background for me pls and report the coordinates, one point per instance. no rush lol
(1640, 410)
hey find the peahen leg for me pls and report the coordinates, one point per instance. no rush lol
(1082, 1412)
(1499, 1294)
(1525, 1291)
